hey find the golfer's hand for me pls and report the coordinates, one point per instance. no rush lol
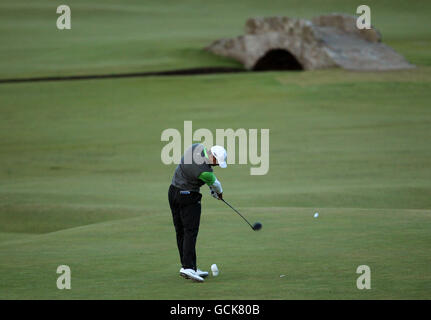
(215, 194)
(220, 196)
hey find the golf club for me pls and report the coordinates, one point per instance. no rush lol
(256, 226)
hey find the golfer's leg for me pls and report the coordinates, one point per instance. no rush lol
(191, 215)
(176, 217)
(179, 229)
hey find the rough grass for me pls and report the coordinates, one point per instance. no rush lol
(109, 37)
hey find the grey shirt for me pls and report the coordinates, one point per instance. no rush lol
(193, 163)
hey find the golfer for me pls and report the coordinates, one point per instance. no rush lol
(194, 170)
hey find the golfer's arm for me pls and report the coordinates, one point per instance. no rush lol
(210, 179)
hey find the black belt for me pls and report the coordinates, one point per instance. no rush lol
(183, 191)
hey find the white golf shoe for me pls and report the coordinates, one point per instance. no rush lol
(202, 274)
(191, 274)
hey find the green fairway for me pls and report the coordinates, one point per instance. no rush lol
(134, 35)
(82, 183)
(81, 160)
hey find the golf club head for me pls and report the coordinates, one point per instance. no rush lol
(257, 226)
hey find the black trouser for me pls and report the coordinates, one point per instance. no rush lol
(186, 214)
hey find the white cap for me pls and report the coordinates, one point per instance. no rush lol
(220, 154)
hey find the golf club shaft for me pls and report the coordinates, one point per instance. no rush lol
(238, 213)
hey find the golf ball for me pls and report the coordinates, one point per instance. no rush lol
(214, 270)
(316, 214)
